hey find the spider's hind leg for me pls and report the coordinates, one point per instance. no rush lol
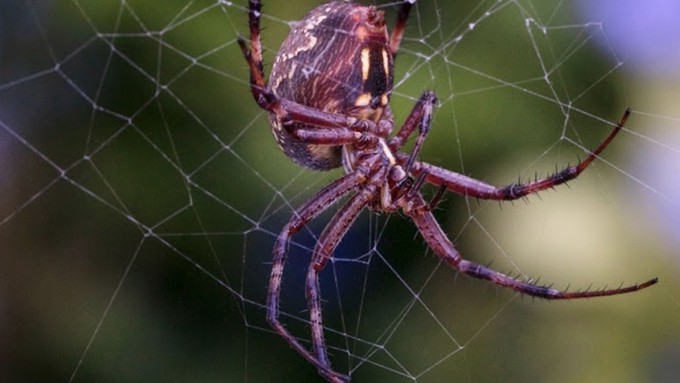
(442, 246)
(367, 182)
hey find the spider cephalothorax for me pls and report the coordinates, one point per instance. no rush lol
(328, 103)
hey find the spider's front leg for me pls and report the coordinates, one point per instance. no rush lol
(442, 246)
(253, 55)
(467, 186)
(420, 118)
(400, 25)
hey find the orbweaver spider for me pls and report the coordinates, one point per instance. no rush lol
(328, 104)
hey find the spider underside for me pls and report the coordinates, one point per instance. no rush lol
(330, 111)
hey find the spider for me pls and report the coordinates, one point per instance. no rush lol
(328, 103)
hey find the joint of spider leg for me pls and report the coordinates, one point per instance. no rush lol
(265, 100)
(366, 140)
(384, 128)
(565, 175)
(363, 126)
(511, 192)
(398, 176)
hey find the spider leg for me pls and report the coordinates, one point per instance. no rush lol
(310, 210)
(421, 118)
(467, 186)
(400, 25)
(328, 241)
(442, 246)
(327, 128)
(254, 54)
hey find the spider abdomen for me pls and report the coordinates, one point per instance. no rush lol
(336, 60)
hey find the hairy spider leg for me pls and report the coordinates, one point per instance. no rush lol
(336, 228)
(307, 212)
(334, 231)
(399, 26)
(471, 187)
(420, 117)
(431, 231)
(438, 241)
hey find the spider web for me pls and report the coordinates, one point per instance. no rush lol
(141, 192)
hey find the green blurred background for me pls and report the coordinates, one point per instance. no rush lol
(141, 191)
